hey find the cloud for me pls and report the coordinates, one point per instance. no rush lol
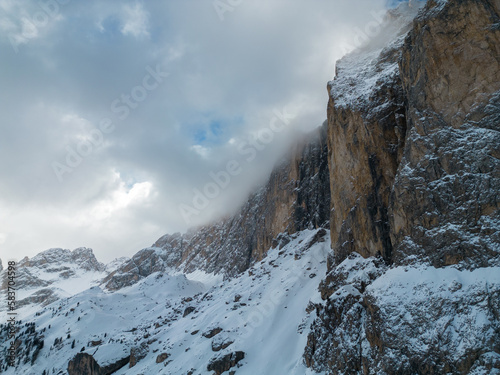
(118, 200)
(204, 152)
(135, 21)
(226, 81)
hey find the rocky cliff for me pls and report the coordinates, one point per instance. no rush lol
(413, 137)
(445, 205)
(296, 197)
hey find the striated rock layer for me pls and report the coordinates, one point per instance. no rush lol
(296, 197)
(414, 147)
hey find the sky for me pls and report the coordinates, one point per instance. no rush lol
(123, 121)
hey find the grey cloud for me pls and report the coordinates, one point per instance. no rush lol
(60, 84)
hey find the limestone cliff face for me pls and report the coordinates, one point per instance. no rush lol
(445, 205)
(414, 159)
(296, 197)
(366, 135)
(414, 142)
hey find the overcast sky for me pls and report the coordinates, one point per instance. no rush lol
(115, 113)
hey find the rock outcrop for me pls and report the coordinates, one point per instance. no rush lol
(137, 353)
(366, 135)
(406, 320)
(225, 362)
(445, 205)
(413, 134)
(296, 197)
(85, 364)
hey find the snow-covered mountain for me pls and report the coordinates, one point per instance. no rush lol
(172, 323)
(374, 248)
(51, 275)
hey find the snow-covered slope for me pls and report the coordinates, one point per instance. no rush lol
(262, 313)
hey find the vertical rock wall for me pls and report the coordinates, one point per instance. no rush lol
(414, 158)
(413, 137)
(445, 204)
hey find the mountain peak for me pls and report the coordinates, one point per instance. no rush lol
(82, 257)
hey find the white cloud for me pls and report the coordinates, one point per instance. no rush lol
(135, 21)
(21, 22)
(118, 200)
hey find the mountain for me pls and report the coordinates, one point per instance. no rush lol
(374, 247)
(51, 275)
(54, 274)
(175, 323)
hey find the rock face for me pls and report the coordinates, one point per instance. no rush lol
(406, 320)
(366, 137)
(413, 134)
(445, 204)
(137, 353)
(296, 197)
(162, 357)
(414, 137)
(83, 364)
